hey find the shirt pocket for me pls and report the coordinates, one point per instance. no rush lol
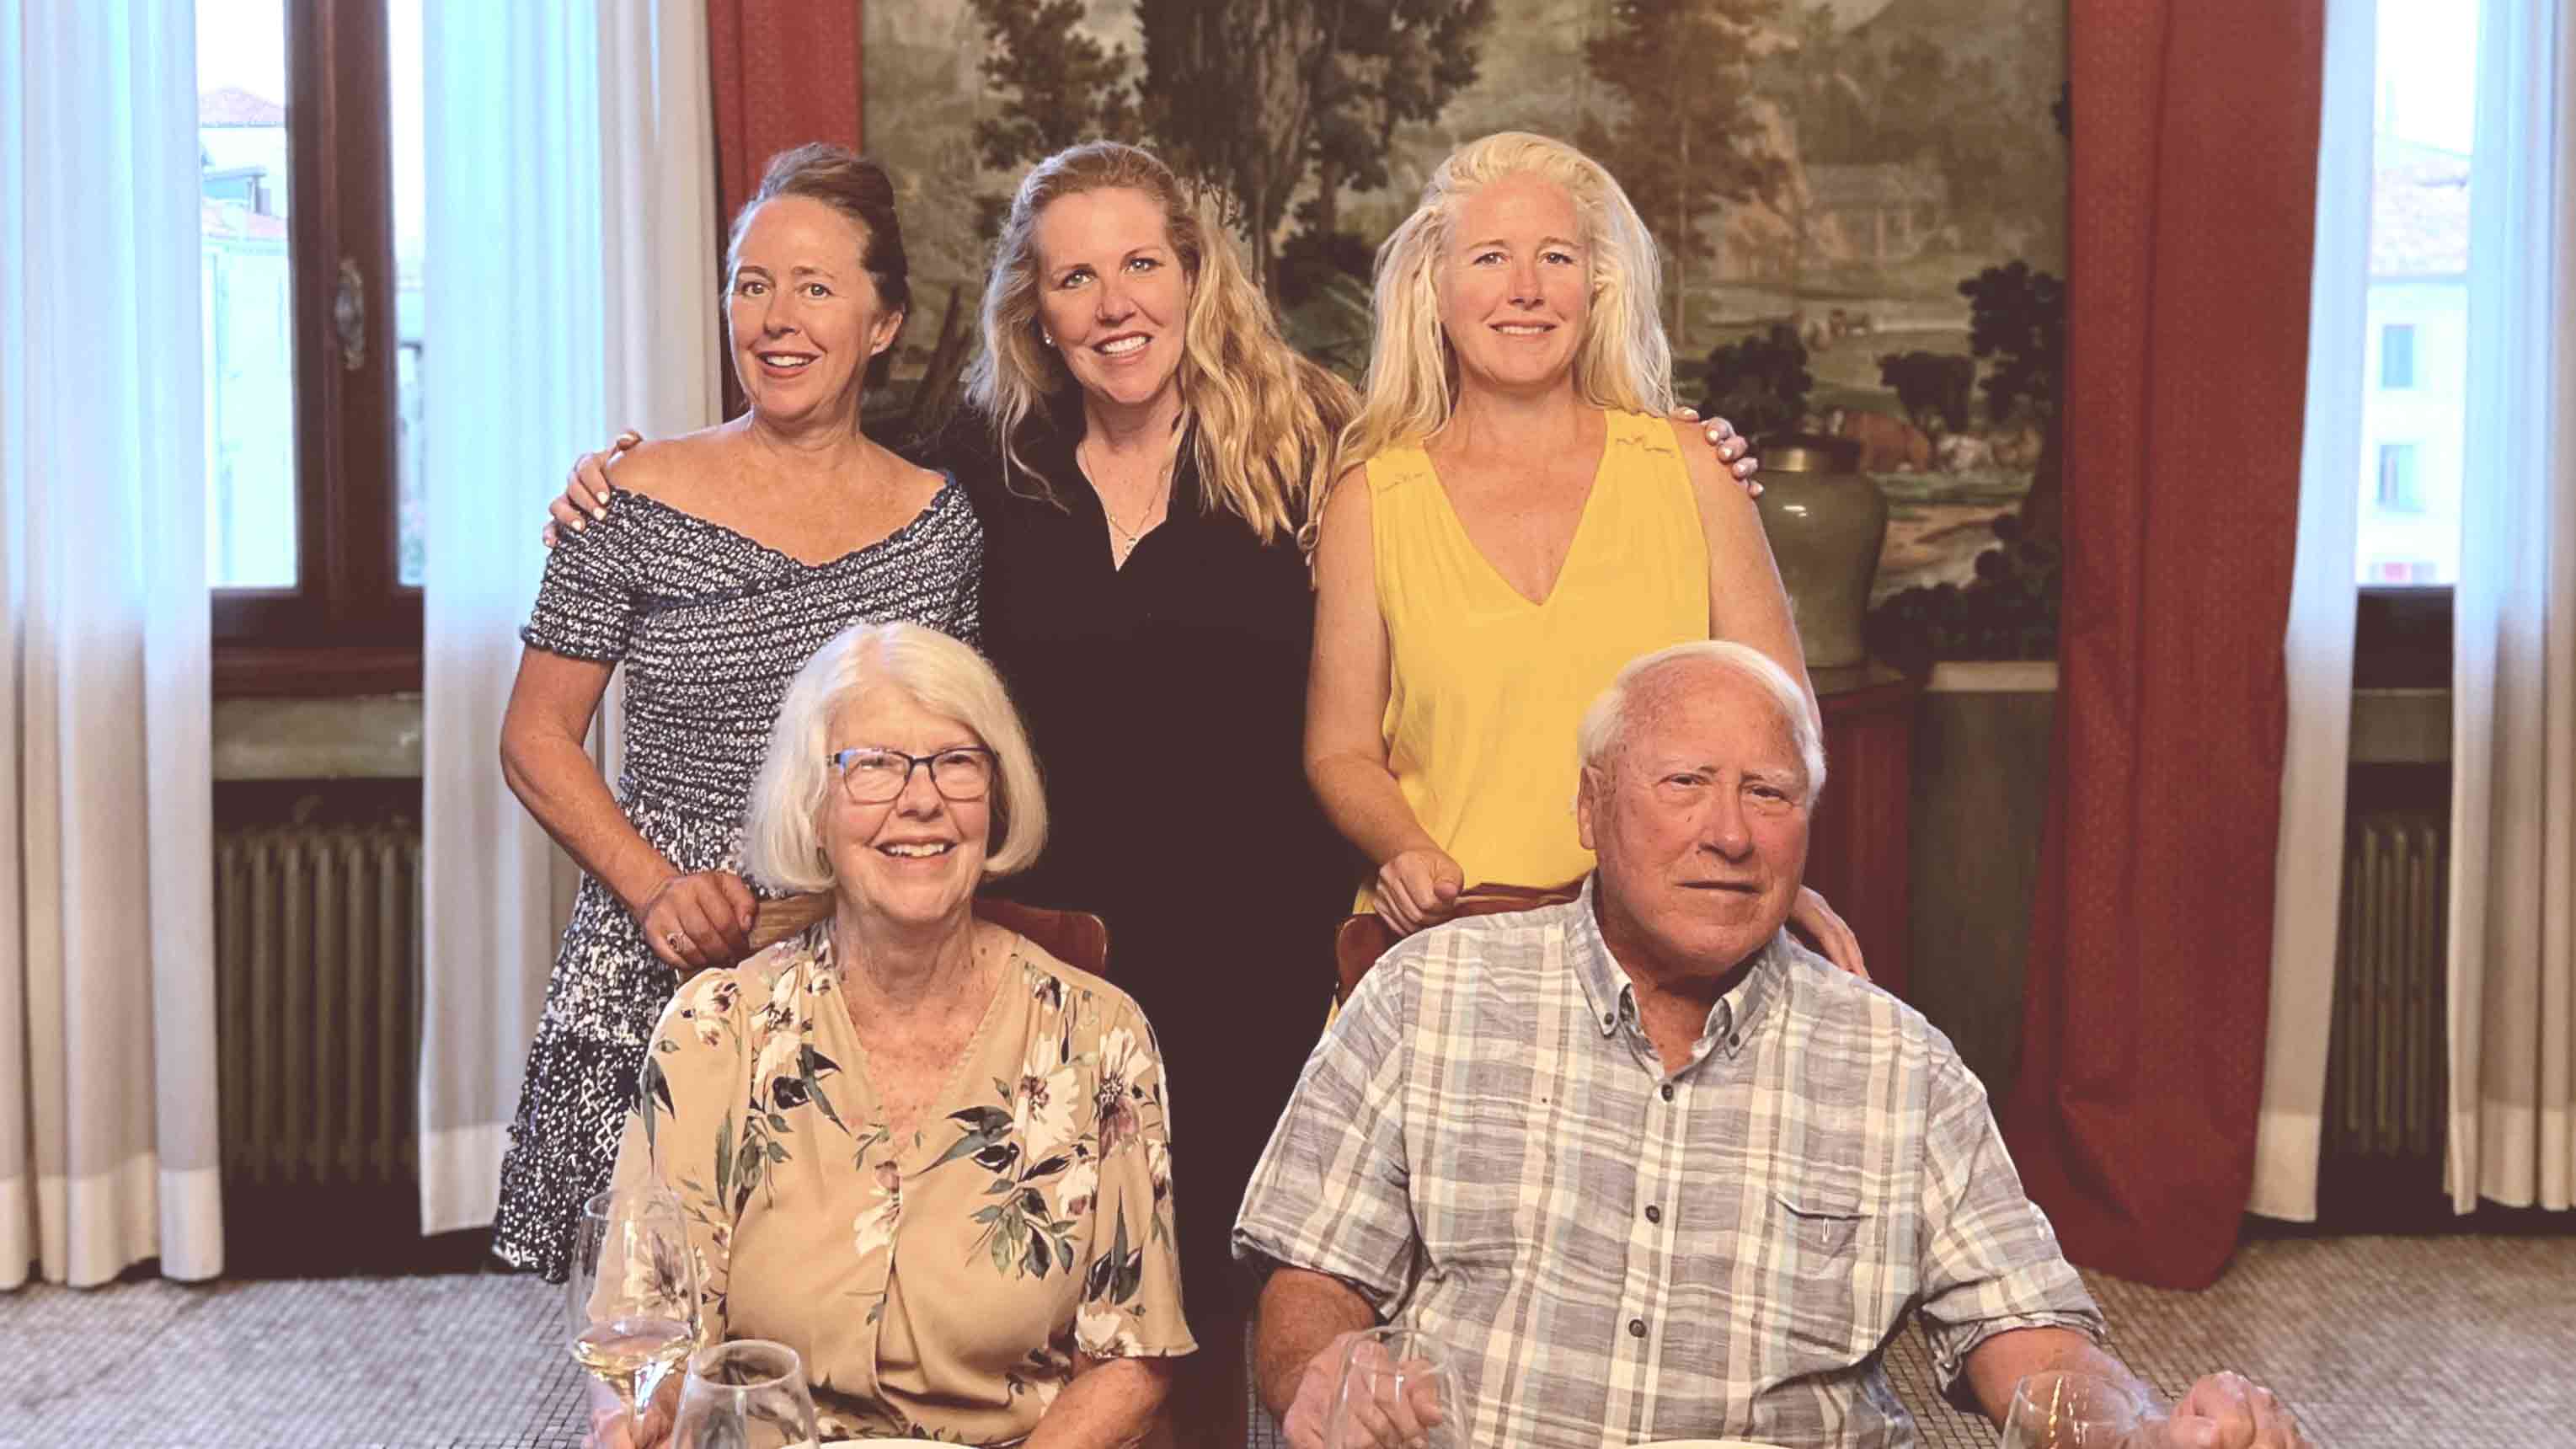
(1824, 1245)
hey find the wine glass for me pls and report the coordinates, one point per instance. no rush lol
(748, 1394)
(1397, 1391)
(633, 1290)
(2067, 1410)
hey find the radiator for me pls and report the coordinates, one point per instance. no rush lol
(2385, 1066)
(317, 937)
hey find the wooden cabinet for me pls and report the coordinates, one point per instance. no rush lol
(1856, 853)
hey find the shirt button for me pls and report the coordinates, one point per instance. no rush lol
(1733, 1042)
(1654, 1214)
(1668, 1091)
(1636, 1328)
(1608, 1021)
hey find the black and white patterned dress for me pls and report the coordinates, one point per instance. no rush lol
(710, 626)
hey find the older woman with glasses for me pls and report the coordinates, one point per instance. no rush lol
(911, 1144)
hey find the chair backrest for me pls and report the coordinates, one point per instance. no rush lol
(1077, 938)
(1365, 937)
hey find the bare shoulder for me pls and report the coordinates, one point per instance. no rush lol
(1346, 504)
(679, 471)
(1697, 456)
(1344, 531)
(1721, 497)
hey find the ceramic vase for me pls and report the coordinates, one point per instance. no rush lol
(1826, 521)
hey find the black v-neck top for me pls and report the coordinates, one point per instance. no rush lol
(1167, 704)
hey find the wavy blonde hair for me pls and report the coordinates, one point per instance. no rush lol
(782, 841)
(1623, 360)
(1265, 417)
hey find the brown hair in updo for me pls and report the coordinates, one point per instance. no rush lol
(850, 184)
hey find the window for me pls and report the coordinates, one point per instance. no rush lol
(2397, 355)
(2413, 415)
(311, 336)
(2398, 492)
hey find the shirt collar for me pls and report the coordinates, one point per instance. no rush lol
(1613, 997)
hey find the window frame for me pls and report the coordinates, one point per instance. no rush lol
(348, 625)
(2400, 488)
(2390, 333)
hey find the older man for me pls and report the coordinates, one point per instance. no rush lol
(1647, 1168)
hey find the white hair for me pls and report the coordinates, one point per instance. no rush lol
(781, 837)
(1605, 724)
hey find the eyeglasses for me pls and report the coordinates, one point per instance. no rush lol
(873, 776)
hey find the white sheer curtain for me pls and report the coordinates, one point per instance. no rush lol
(567, 265)
(2513, 801)
(108, 1149)
(2308, 869)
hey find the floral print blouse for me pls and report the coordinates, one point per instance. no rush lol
(938, 1286)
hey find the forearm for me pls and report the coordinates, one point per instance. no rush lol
(1361, 798)
(1301, 1313)
(554, 778)
(1997, 1364)
(1110, 1402)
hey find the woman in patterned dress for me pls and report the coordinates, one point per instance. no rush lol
(913, 1146)
(730, 556)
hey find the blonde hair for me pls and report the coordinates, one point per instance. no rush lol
(781, 837)
(1623, 360)
(1265, 416)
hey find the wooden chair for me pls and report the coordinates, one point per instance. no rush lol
(1367, 936)
(1077, 938)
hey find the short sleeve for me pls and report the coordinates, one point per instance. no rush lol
(1990, 1261)
(588, 600)
(1131, 1279)
(676, 1129)
(1332, 1191)
(966, 608)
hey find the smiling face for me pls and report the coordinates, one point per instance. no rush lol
(1699, 818)
(803, 316)
(915, 860)
(1515, 284)
(1112, 292)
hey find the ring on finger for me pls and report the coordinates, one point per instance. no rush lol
(675, 940)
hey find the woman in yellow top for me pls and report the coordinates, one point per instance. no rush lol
(909, 1144)
(1524, 521)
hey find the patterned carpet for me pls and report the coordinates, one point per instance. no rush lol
(2465, 1342)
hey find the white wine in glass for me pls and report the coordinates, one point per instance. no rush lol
(633, 1290)
(619, 1351)
(2067, 1410)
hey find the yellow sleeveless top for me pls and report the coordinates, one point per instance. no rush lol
(1485, 688)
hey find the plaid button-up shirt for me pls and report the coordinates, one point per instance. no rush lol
(1487, 1146)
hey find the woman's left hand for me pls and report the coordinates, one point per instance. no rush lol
(1731, 450)
(1831, 934)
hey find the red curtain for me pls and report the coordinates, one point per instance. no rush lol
(2191, 193)
(783, 72)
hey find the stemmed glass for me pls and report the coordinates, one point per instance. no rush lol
(1397, 1391)
(633, 1290)
(748, 1394)
(2065, 1410)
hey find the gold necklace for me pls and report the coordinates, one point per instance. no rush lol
(1123, 540)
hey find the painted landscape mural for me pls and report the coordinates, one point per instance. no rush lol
(1862, 202)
